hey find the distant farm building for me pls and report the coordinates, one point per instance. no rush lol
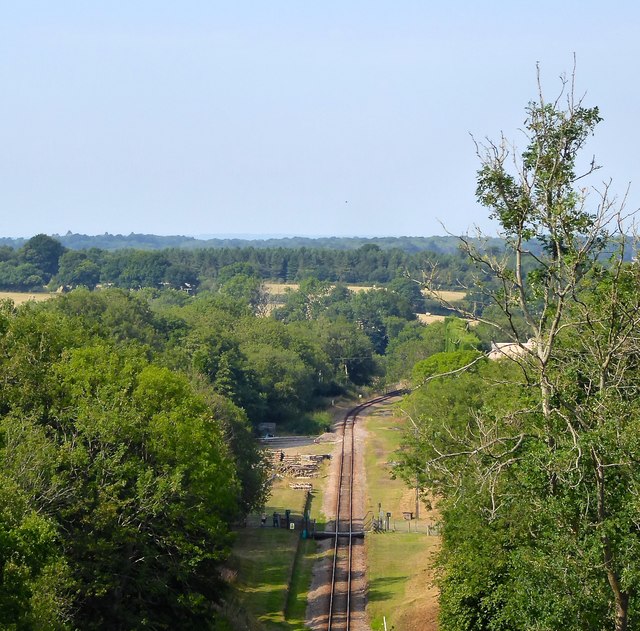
(512, 350)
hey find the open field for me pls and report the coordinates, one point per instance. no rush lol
(400, 588)
(449, 296)
(272, 569)
(279, 289)
(20, 298)
(428, 318)
(263, 562)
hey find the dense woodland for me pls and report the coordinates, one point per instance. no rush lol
(130, 405)
(133, 241)
(128, 435)
(44, 261)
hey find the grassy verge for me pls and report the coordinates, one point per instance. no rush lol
(296, 605)
(263, 559)
(399, 562)
(385, 431)
(400, 581)
(272, 566)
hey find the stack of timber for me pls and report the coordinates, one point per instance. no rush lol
(298, 466)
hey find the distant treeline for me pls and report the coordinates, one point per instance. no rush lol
(45, 261)
(110, 242)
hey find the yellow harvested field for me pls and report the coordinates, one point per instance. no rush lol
(449, 296)
(427, 318)
(20, 298)
(278, 289)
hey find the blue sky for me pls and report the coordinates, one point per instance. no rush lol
(290, 116)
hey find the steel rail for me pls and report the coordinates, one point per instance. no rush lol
(349, 419)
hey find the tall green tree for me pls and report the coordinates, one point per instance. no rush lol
(44, 252)
(35, 581)
(124, 474)
(131, 465)
(77, 269)
(553, 480)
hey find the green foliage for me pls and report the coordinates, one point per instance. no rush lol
(247, 289)
(411, 292)
(413, 343)
(459, 336)
(43, 252)
(114, 314)
(112, 242)
(76, 269)
(34, 578)
(21, 277)
(123, 475)
(379, 313)
(442, 363)
(349, 350)
(285, 365)
(136, 473)
(533, 458)
(136, 261)
(501, 325)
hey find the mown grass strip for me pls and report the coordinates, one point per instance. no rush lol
(274, 565)
(296, 607)
(399, 578)
(399, 564)
(263, 559)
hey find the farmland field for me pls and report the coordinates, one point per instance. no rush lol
(20, 298)
(448, 296)
(429, 318)
(279, 289)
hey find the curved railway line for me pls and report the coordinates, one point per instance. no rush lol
(347, 528)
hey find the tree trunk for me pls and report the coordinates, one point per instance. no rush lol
(622, 610)
(621, 597)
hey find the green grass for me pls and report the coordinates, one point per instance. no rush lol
(385, 433)
(263, 559)
(273, 566)
(396, 564)
(296, 606)
(399, 563)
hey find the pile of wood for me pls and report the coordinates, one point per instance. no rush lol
(301, 486)
(298, 466)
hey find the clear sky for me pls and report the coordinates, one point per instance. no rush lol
(296, 117)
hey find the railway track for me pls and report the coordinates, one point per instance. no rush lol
(348, 530)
